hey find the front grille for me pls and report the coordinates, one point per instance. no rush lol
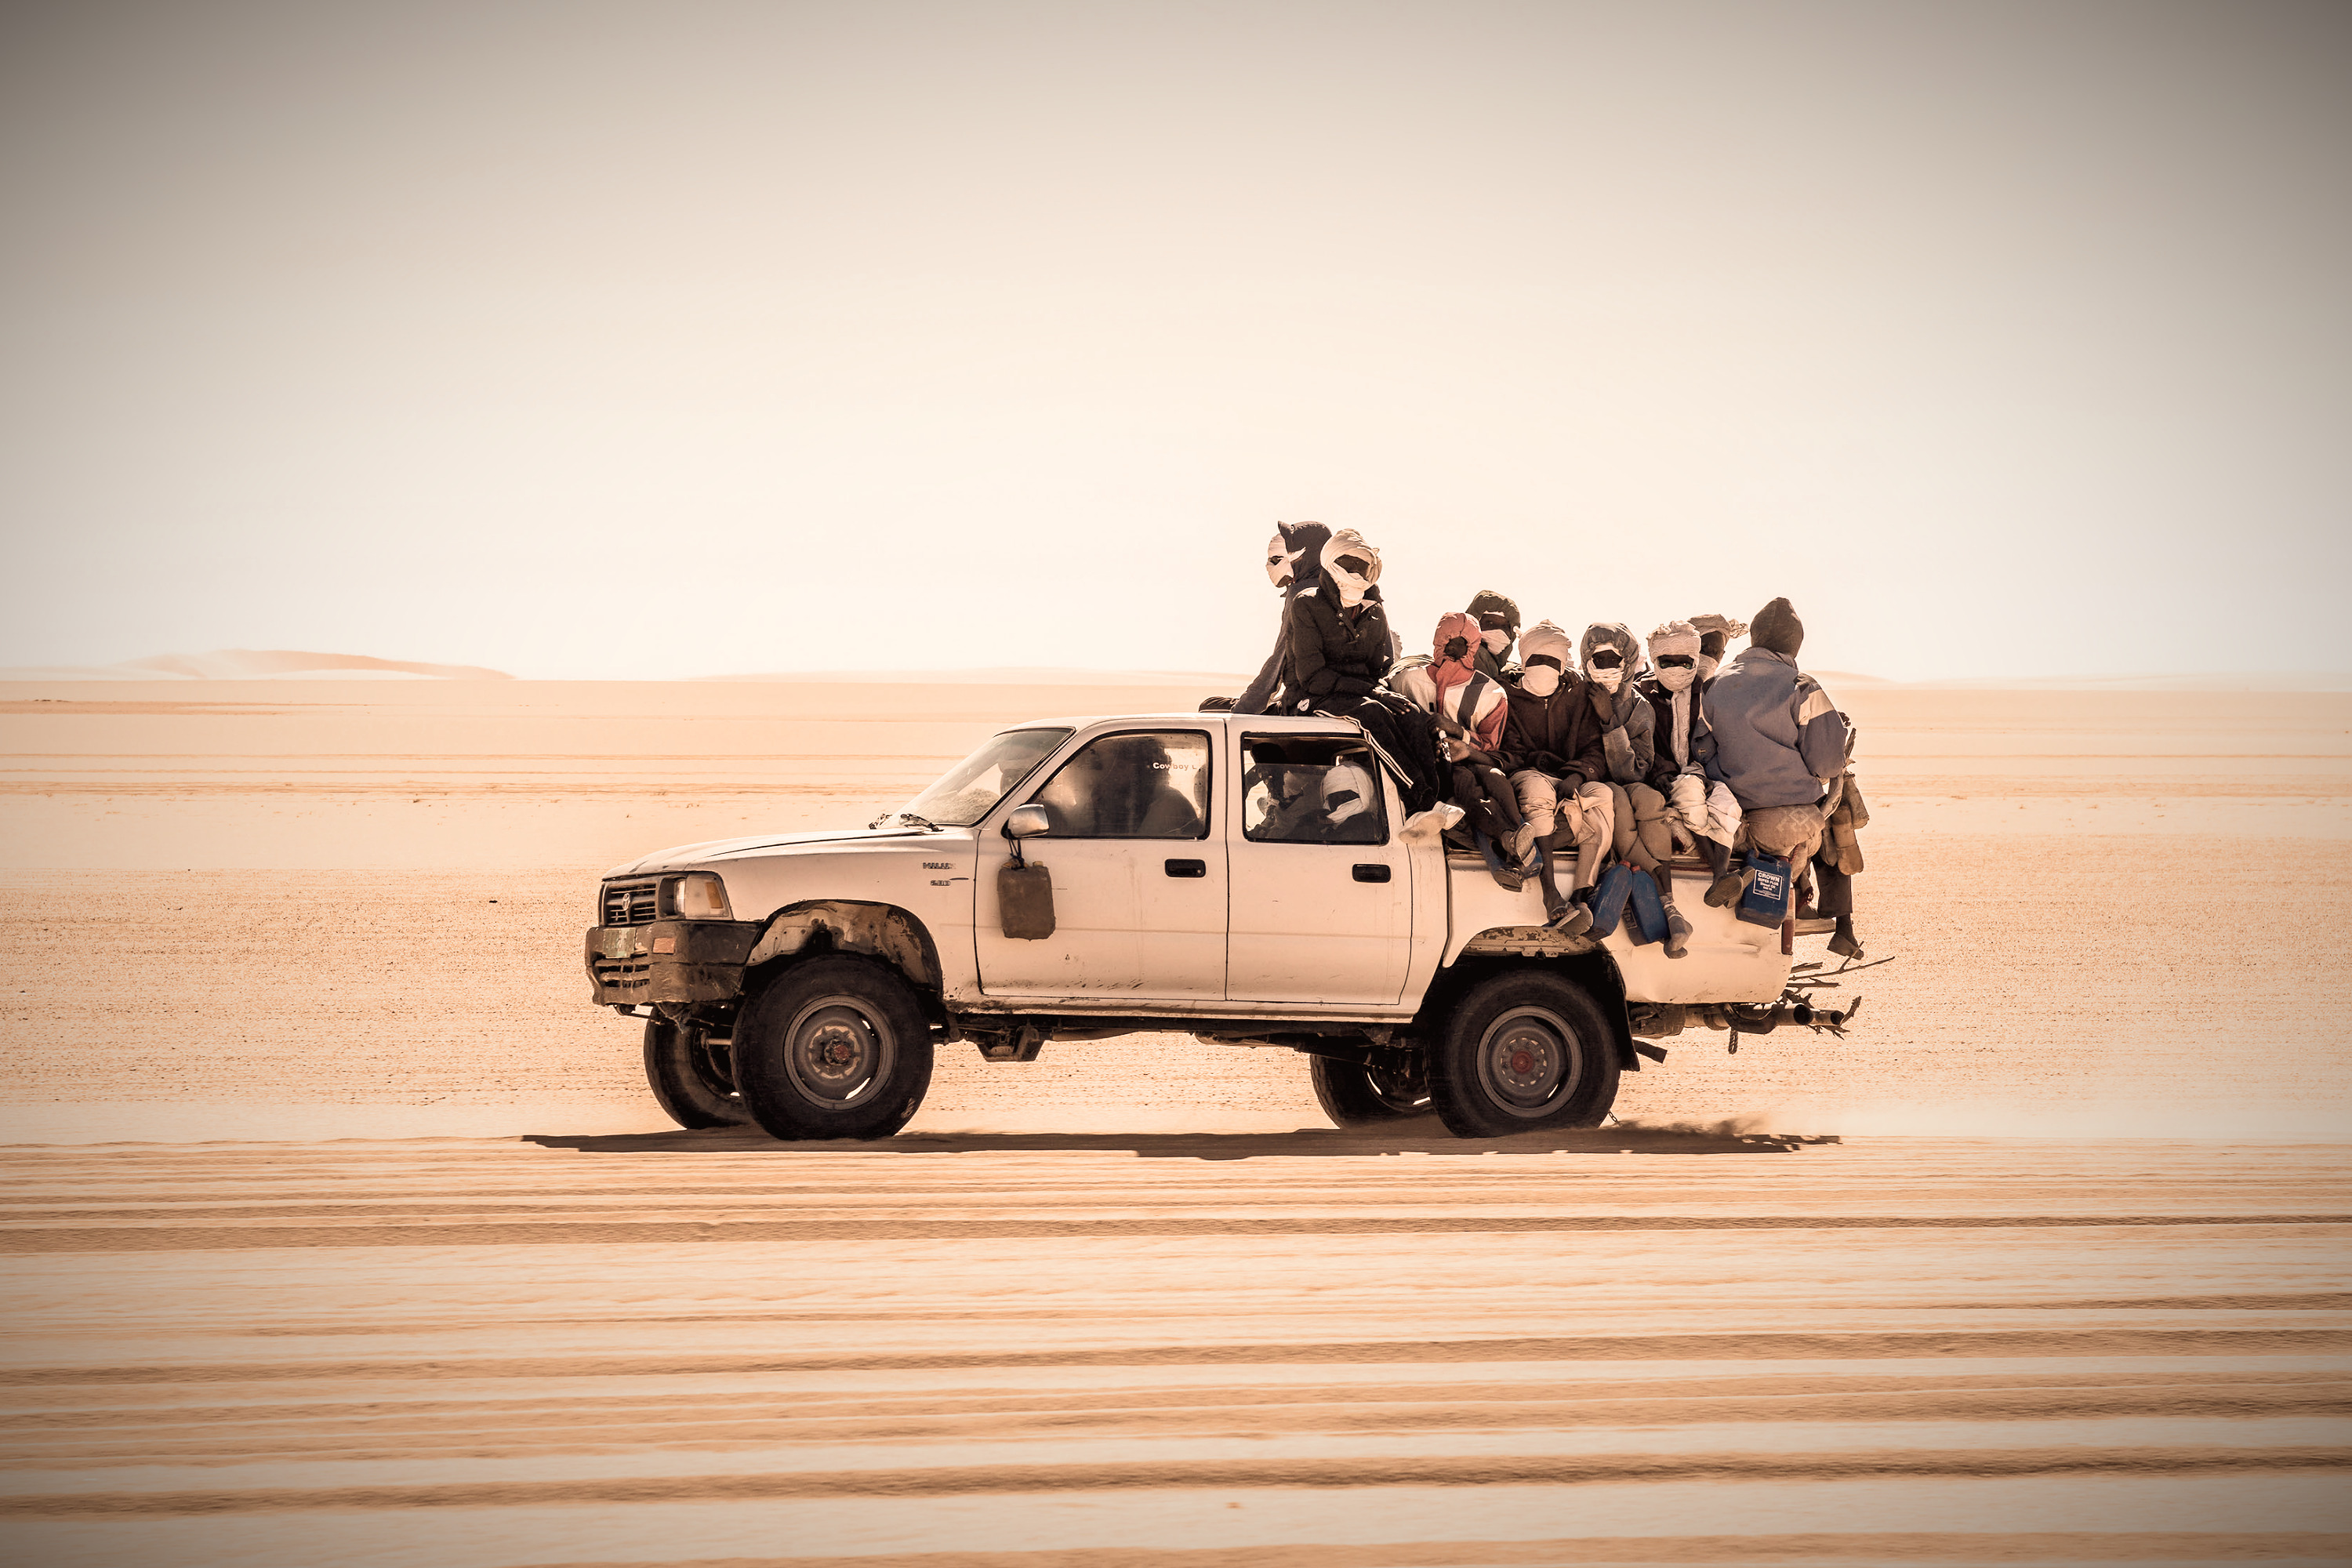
(631, 903)
(622, 975)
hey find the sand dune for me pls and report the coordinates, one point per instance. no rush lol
(254, 664)
(1200, 680)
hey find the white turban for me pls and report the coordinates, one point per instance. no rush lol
(1352, 586)
(1544, 640)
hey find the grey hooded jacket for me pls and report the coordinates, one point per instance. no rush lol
(1628, 727)
(1779, 739)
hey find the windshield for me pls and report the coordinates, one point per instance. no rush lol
(964, 794)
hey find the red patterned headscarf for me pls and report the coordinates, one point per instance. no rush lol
(1453, 651)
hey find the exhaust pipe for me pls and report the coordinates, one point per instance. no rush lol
(1762, 1018)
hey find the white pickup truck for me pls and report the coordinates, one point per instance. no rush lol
(1249, 881)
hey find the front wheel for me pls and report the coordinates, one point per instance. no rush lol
(690, 1078)
(1525, 1051)
(1354, 1094)
(837, 1047)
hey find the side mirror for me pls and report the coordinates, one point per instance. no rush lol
(1027, 822)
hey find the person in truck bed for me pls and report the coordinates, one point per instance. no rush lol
(1552, 752)
(1778, 743)
(1700, 813)
(1641, 834)
(1716, 633)
(1839, 859)
(1497, 615)
(1470, 709)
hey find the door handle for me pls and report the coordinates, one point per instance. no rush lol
(1374, 873)
(1192, 868)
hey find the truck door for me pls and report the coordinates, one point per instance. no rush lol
(1322, 891)
(1138, 873)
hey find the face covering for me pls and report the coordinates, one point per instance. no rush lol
(1539, 680)
(1496, 639)
(1714, 635)
(1606, 679)
(1673, 653)
(1281, 562)
(1347, 545)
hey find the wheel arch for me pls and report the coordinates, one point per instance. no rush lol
(1593, 971)
(884, 932)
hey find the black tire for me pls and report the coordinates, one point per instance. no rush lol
(689, 1076)
(837, 1047)
(1524, 1051)
(1355, 1095)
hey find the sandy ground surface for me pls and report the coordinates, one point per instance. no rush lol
(400, 1264)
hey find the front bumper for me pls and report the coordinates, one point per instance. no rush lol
(669, 961)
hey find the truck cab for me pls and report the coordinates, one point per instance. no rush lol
(1246, 880)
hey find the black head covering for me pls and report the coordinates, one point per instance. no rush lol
(1486, 599)
(1777, 627)
(1309, 538)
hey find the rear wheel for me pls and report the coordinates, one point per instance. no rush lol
(1525, 1051)
(837, 1047)
(1354, 1094)
(691, 1077)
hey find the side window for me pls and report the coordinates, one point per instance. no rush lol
(1311, 789)
(1138, 785)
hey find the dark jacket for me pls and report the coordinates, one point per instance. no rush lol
(1626, 738)
(1495, 670)
(1558, 735)
(1331, 652)
(1662, 731)
(1779, 739)
(1263, 695)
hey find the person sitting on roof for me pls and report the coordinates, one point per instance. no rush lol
(1338, 655)
(1293, 563)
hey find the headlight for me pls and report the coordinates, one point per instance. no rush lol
(696, 896)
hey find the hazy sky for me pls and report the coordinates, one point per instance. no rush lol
(583, 340)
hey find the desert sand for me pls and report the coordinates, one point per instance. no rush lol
(341, 1229)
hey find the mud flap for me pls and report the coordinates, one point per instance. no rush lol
(1025, 902)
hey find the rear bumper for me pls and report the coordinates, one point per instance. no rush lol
(668, 961)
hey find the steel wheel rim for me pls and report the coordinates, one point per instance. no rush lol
(1528, 1062)
(838, 1053)
(1401, 1092)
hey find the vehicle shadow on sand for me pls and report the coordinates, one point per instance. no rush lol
(1424, 1138)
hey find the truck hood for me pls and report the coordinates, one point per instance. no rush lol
(685, 855)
